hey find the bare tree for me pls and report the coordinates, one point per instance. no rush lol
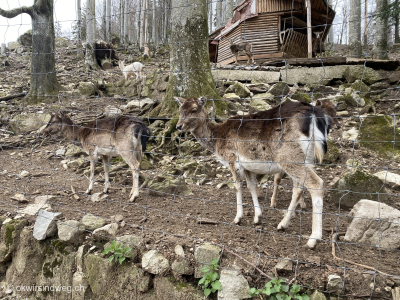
(90, 59)
(228, 11)
(190, 74)
(210, 15)
(126, 18)
(381, 31)
(154, 25)
(343, 31)
(355, 28)
(366, 25)
(108, 21)
(121, 21)
(142, 23)
(44, 83)
(79, 19)
(396, 23)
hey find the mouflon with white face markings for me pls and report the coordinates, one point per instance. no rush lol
(124, 136)
(288, 138)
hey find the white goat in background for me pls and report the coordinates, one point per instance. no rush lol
(134, 68)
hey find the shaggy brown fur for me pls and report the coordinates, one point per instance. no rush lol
(287, 138)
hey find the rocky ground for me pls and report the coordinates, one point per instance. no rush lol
(186, 196)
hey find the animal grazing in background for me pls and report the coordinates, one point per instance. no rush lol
(124, 136)
(134, 68)
(146, 50)
(245, 47)
(287, 138)
(330, 109)
(319, 46)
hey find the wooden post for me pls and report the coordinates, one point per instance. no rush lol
(309, 28)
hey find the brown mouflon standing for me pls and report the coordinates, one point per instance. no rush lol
(329, 109)
(124, 136)
(288, 138)
(319, 46)
(245, 47)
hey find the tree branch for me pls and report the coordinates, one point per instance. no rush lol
(9, 14)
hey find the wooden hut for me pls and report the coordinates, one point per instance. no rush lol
(274, 28)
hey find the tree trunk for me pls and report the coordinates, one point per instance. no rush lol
(153, 27)
(228, 11)
(104, 19)
(90, 59)
(190, 74)
(330, 33)
(126, 28)
(43, 81)
(366, 26)
(396, 24)
(146, 21)
(381, 30)
(210, 16)
(142, 29)
(79, 18)
(121, 22)
(355, 28)
(108, 21)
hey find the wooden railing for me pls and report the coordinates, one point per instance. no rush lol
(293, 43)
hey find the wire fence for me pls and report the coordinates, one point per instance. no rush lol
(186, 196)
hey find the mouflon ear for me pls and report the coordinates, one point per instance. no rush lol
(179, 100)
(202, 100)
(338, 104)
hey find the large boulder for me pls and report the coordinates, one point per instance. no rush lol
(374, 223)
(357, 185)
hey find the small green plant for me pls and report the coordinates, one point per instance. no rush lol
(118, 253)
(277, 289)
(210, 280)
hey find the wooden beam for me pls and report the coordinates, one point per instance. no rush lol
(259, 56)
(309, 28)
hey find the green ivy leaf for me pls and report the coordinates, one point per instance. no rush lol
(202, 280)
(205, 269)
(216, 285)
(121, 259)
(207, 292)
(110, 259)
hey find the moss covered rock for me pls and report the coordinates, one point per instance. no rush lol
(357, 185)
(377, 133)
(87, 89)
(278, 89)
(302, 97)
(366, 74)
(333, 153)
(165, 184)
(9, 236)
(239, 89)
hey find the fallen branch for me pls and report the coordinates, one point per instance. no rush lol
(237, 255)
(334, 240)
(9, 97)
